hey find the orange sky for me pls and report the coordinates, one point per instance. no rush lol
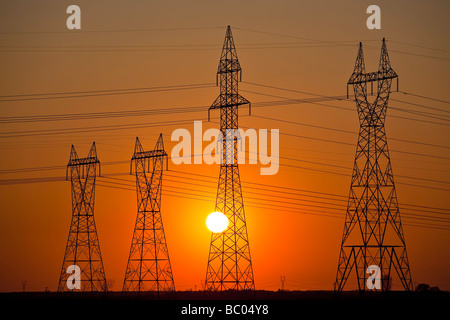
(38, 56)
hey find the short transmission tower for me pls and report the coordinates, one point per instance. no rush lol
(229, 262)
(83, 248)
(373, 233)
(148, 267)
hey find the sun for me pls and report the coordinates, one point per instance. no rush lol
(217, 222)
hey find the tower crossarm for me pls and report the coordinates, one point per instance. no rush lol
(83, 161)
(229, 65)
(140, 155)
(82, 165)
(372, 77)
(228, 100)
(149, 154)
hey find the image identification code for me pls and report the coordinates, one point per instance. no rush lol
(236, 309)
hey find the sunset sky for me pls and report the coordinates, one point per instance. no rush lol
(287, 50)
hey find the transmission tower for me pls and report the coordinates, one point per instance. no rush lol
(83, 248)
(373, 233)
(229, 263)
(148, 267)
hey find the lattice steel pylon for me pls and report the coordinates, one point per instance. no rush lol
(229, 263)
(148, 267)
(83, 248)
(373, 233)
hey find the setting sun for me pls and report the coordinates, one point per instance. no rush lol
(217, 222)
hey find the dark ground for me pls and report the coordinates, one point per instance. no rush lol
(280, 304)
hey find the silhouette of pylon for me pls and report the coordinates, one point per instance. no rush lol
(83, 248)
(373, 233)
(148, 267)
(229, 263)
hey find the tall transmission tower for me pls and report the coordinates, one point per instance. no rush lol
(373, 233)
(229, 262)
(83, 248)
(148, 267)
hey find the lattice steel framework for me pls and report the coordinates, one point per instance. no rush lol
(83, 248)
(373, 233)
(229, 263)
(148, 267)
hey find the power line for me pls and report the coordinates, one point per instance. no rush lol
(284, 188)
(133, 126)
(125, 113)
(55, 49)
(180, 110)
(100, 115)
(256, 186)
(337, 41)
(278, 196)
(346, 131)
(146, 45)
(425, 97)
(33, 49)
(414, 54)
(12, 181)
(421, 113)
(309, 40)
(352, 144)
(130, 184)
(91, 129)
(354, 43)
(340, 98)
(106, 90)
(84, 31)
(419, 46)
(96, 93)
(348, 168)
(275, 203)
(339, 208)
